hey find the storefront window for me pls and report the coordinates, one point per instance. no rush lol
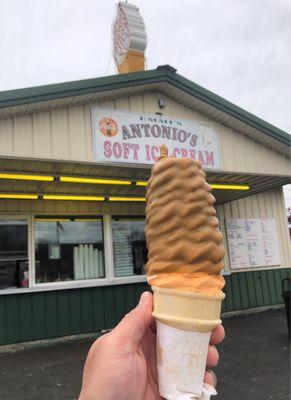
(129, 246)
(13, 254)
(68, 249)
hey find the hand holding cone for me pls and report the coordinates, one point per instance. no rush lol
(184, 269)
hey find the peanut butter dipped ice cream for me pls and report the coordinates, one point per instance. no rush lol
(185, 259)
(183, 239)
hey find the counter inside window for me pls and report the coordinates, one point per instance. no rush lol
(68, 249)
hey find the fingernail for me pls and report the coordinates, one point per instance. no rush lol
(143, 298)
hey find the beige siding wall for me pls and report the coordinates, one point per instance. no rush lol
(263, 205)
(65, 134)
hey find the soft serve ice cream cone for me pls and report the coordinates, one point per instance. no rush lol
(184, 269)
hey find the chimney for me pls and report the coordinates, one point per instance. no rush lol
(129, 39)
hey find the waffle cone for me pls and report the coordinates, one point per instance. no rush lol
(190, 311)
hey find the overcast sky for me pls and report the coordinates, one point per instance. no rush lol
(239, 49)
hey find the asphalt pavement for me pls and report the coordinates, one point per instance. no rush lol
(254, 364)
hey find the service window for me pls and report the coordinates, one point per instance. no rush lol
(129, 246)
(69, 248)
(13, 254)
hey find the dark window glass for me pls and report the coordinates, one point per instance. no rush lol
(13, 254)
(129, 246)
(68, 249)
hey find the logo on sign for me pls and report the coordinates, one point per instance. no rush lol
(108, 126)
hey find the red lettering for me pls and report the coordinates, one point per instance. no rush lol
(201, 158)
(135, 148)
(184, 153)
(121, 150)
(117, 150)
(147, 148)
(126, 147)
(209, 157)
(192, 153)
(176, 152)
(107, 149)
(154, 152)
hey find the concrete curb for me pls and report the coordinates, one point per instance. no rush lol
(37, 344)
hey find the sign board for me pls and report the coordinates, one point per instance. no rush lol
(54, 251)
(131, 138)
(128, 31)
(252, 242)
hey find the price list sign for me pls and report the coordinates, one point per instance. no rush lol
(252, 242)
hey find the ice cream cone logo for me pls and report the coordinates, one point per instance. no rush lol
(129, 38)
(108, 126)
(121, 35)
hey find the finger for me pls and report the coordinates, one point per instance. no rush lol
(217, 335)
(153, 326)
(132, 327)
(212, 357)
(210, 378)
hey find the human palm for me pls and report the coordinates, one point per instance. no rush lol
(122, 364)
(133, 374)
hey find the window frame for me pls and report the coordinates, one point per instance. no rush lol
(73, 283)
(108, 280)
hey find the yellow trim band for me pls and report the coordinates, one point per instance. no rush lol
(25, 177)
(95, 181)
(78, 198)
(126, 198)
(18, 196)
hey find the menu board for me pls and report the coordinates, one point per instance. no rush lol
(252, 242)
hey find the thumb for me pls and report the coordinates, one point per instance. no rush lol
(132, 327)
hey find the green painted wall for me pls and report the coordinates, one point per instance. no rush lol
(31, 316)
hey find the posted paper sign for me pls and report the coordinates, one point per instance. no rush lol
(252, 242)
(133, 138)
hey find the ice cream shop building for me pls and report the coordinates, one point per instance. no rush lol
(74, 161)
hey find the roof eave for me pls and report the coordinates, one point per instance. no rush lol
(164, 73)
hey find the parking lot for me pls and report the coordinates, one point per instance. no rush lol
(254, 364)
